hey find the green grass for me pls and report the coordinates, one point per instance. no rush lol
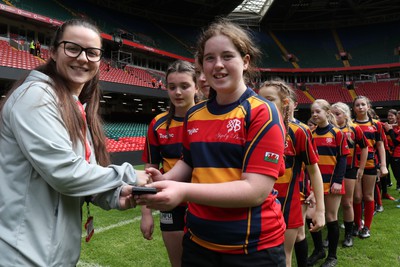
(118, 241)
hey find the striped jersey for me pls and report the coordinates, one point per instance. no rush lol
(373, 132)
(162, 146)
(299, 151)
(332, 151)
(220, 143)
(355, 137)
(395, 137)
(304, 181)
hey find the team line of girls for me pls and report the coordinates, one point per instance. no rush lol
(336, 151)
(350, 152)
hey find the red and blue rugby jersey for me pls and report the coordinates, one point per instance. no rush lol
(395, 136)
(299, 151)
(373, 132)
(220, 143)
(355, 137)
(304, 180)
(162, 146)
(389, 141)
(332, 151)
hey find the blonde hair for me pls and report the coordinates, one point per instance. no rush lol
(346, 111)
(327, 107)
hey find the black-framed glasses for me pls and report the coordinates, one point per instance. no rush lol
(74, 50)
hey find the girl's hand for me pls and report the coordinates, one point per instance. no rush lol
(336, 188)
(360, 173)
(142, 178)
(154, 174)
(170, 194)
(384, 171)
(310, 200)
(318, 221)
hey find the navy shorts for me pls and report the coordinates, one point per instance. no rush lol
(351, 174)
(173, 220)
(195, 255)
(371, 171)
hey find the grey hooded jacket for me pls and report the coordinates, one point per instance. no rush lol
(44, 179)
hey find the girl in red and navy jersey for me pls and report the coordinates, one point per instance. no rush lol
(386, 180)
(393, 131)
(299, 151)
(232, 153)
(164, 146)
(354, 169)
(332, 151)
(364, 191)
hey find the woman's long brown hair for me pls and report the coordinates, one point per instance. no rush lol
(68, 109)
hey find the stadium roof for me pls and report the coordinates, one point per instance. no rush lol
(279, 14)
(251, 12)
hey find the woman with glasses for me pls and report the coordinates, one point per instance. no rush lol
(53, 155)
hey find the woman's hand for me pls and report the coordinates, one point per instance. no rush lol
(126, 200)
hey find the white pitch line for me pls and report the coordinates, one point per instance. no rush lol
(122, 223)
(103, 229)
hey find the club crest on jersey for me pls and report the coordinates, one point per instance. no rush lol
(329, 140)
(234, 125)
(271, 157)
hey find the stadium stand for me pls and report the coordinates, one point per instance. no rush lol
(310, 52)
(331, 92)
(13, 58)
(371, 45)
(124, 136)
(378, 91)
(301, 97)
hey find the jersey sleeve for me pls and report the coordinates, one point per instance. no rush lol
(265, 142)
(151, 153)
(305, 147)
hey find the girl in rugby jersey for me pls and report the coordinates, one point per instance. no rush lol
(233, 147)
(386, 180)
(354, 168)
(393, 131)
(332, 151)
(299, 150)
(364, 191)
(164, 146)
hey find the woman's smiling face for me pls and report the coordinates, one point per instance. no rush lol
(77, 71)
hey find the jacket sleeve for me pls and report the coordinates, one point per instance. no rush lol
(43, 139)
